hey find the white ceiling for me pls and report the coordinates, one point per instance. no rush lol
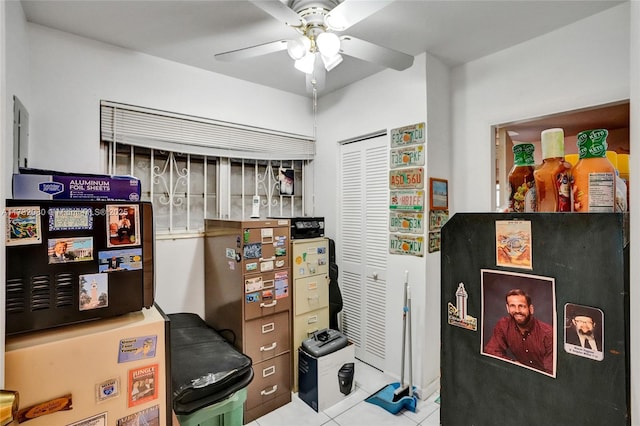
(191, 32)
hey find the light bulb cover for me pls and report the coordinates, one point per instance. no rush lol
(298, 48)
(305, 64)
(331, 63)
(328, 44)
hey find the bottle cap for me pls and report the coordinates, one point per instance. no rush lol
(523, 154)
(552, 141)
(592, 143)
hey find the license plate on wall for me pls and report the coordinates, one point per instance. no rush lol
(407, 156)
(407, 199)
(406, 178)
(406, 244)
(407, 135)
(412, 223)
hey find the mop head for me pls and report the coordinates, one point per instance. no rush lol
(387, 399)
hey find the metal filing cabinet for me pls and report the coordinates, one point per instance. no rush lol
(310, 273)
(247, 291)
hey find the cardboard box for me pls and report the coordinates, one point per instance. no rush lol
(318, 379)
(32, 184)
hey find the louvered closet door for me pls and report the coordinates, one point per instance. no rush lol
(363, 231)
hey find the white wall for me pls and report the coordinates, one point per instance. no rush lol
(14, 80)
(439, 165)
(70, 75)
(580, 65)
(385, 100)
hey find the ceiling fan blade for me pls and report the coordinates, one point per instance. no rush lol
(279, 11)
(253, 51)
(374, 53)
(350, 12)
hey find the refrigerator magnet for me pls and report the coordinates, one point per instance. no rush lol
(97, 420)
(123, 225)
(457, 314)
(94, 291)
(108, 389)
(23, 226)
(148, 416)
(142, 385)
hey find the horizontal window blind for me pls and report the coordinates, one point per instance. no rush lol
(162, 130)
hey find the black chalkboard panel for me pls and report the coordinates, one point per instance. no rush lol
(569, 263)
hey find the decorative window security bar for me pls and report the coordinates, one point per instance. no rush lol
(187, 188)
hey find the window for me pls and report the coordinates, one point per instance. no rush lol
(185, 184)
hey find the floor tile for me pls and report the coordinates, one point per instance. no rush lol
(295, 413)
(432, 420)
(370, 379)
(424, 408)
(367, 414)
(356, 396)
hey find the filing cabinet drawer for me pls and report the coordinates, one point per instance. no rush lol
(304, 325)
(265, 249)
(271, 379)
(311, 293)
(267, 337)
(310, 257)
(266, 294)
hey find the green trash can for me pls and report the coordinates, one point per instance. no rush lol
(224, 413)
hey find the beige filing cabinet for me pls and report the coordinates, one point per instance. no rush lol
(247, 291)
(310, 274)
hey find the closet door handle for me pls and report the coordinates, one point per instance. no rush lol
(273, 389)
(268, 348)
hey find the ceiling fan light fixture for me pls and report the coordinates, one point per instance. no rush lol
(336, 22)
(305, 64)
(298, 47)
(328, 44)
(331, 62)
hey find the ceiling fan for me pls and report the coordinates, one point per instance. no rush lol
(317, 48)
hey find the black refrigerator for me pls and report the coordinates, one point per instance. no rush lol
(534, 319)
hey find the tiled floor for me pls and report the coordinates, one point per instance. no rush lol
(353, 410)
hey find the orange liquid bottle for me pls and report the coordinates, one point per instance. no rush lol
(594, 177)
(552, 178)
(521, 184)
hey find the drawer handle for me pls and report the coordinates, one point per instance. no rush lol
(268, 328)
(266, 372)
(268, 348)
(312, 319)
(273, 389)
(269, 305)
(316, 297)
(262, 259)
(267, 284)
(310, 333)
